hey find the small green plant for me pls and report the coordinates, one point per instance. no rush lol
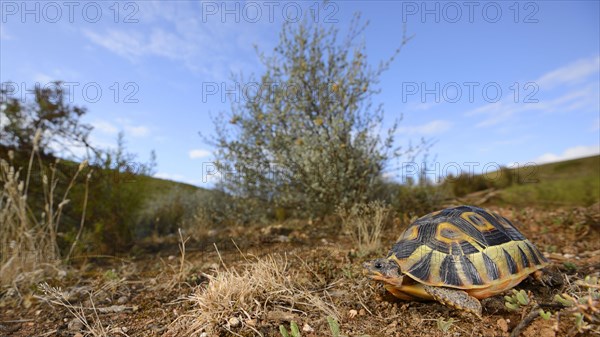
(564, 299)
(111, 275)
(517, 300)
(545, 314)
(583, 302)
(334, 326)
(580, 323)
(444, 325)
(348, 272)
(294, 331)
(570, 266)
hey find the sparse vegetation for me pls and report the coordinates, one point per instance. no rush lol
(263, 285)
(294, 330)
(517, 300)
(364, 223)
(29, 239)
(444, 325)
(90, 322)
(583, 303)
(134, 256)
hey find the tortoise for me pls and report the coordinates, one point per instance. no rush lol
(457, 256)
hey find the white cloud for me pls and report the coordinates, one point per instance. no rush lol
(137, 131)
(133, 44)
(581, 98)
(572, 73)
(434, 127)
(199, 153)
(112, 129)
(569, 97)
(570, 153)
(105, 127)
(174, 31)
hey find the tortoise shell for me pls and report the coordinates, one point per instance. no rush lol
(468, 248)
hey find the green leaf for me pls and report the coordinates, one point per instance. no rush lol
(512, 306)
(545, 315)
(294, 329)
(334, 326)
(283, 331)
(522, 297)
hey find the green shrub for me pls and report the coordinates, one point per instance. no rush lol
(315, 142)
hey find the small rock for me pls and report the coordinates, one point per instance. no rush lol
(122, 300)
(78, 335)
(234, 322)
(282, 239)
(124, 329)
(171, 257)
(362, 312)
(502, 324)
(352, 313)
(307, 328)
(75, 325)
(204, 334)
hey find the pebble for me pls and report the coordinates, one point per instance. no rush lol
(75, 325)
(307, 328)
(502, 324)
(234, 322)
(122, 300)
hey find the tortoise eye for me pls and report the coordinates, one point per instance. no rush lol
(378, 265)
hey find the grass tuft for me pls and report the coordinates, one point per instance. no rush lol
(262, 285)
(365, 223)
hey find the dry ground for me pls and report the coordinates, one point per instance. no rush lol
(155, 294)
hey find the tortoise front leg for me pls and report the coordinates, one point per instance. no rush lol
(455, 298)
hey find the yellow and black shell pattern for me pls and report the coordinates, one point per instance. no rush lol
(465, 247)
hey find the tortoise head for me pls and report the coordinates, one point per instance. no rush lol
(384, 270)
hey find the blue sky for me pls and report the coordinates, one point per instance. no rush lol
(492, 83)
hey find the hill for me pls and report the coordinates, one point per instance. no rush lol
(568, 183)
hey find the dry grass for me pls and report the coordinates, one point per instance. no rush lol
(234, 301)
(28, 237)
(178, 275)
(90, 322)
(365, 223)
